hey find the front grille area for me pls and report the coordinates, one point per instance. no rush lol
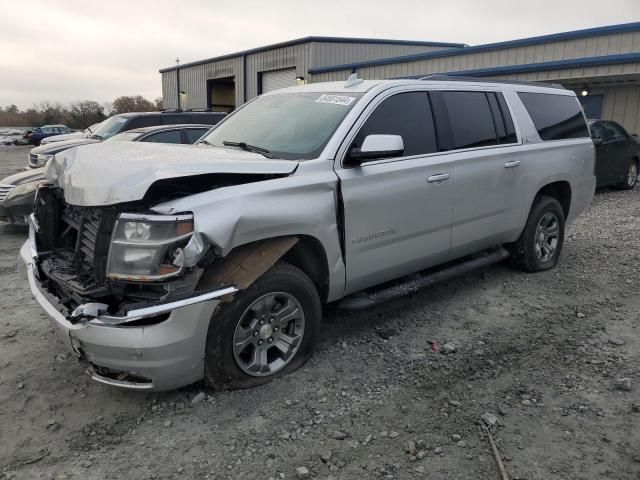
(33, 160)
(76, 240)
(5, 190)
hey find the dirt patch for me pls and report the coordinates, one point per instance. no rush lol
(554, 358)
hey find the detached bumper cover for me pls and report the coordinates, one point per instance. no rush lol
(163, 356)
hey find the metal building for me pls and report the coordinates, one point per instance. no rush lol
(222, 83)
(601, 64)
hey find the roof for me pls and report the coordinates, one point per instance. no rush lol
(310, 39)
(572, 35)
(167, 127)
(439, 81)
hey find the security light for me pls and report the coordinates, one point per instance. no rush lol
(584, 92)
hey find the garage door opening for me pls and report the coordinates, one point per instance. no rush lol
(222, 94)
(276, 79)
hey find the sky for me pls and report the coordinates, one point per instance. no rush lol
(70, 50)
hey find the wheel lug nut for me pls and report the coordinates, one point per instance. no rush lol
(255, 334)
(275, 329)
(260, 342)
(271, 320)
(270, 340)
(261, 322)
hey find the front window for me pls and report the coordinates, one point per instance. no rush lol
(288, 125)
(110, 127)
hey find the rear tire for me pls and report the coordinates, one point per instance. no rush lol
(541, 241)
(631, 178)
(269, 330)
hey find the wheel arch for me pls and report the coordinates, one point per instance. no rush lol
(244, 264)
(560, 190)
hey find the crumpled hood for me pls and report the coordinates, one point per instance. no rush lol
(117, 172)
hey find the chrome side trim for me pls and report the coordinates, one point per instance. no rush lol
(121, 383)
(155, 218)
(162, 308)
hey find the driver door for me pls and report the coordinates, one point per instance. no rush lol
(397, 211)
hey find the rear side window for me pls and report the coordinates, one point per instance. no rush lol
(208, 118)
(556, 117)
(405, 114)
(171, 136)
(144, 121)
(466, 120)
(194, 134)
(172, 119)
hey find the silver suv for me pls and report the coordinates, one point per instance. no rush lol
(163, 265)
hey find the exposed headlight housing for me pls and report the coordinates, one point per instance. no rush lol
(148, 248)
(40, 159)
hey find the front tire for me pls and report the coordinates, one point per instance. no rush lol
(541, 241)
(269, 330)
(631, 178)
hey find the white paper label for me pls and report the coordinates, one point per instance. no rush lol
(336, 99)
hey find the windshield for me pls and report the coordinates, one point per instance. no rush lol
(125, 137)
(109, 127)
(287, 125)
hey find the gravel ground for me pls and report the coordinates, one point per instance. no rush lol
(551, 361)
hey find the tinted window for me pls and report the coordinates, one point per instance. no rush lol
(407, 115)
(172, 136)
(170, 119)
(208, 118)
(556, 117)
(464, 120)
(194, 134)
(597, 131)
(510, 129)
(614, 131)
(144, 121)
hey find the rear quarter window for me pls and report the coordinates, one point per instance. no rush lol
(143, 121)
(556, 117)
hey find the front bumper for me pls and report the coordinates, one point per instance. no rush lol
(157, 357)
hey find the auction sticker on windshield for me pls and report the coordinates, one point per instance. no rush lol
(336, 99)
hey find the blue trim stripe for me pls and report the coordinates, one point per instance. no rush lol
(577, 34)
(298, 41)
(546, 66)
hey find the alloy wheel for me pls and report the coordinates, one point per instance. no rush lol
(268, 334)
(547, 237)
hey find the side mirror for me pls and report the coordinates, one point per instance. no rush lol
(596, 141)
(376, 147)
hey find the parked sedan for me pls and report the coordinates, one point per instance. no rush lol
(71, 136)
(182, 133)
(35, 136)
(17, 191)
(617, 155)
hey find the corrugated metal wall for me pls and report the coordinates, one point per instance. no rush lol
(621, 104)
(297, 56)
(193, 79)
(338, 53)
(545, 52)
(169, 90)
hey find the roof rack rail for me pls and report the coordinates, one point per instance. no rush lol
(203, 109)
(455, 78)
(171, 110)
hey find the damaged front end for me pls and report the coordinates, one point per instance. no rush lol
(116, 263)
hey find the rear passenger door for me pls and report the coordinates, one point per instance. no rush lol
(476, 131)
(397, 211)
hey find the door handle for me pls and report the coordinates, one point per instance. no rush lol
(513, 164)
(438, 178)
